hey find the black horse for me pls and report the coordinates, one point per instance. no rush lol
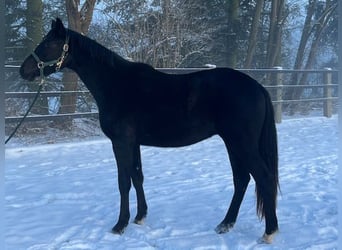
(139, 105)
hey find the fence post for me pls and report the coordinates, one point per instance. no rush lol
(327, 104)
(278, 94)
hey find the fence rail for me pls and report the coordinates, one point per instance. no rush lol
(275, 84)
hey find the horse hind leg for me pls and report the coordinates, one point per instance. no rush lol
(266, 191)
(246, 161)
(241, 179)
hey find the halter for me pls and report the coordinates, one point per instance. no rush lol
(41, 65)
(59, 61)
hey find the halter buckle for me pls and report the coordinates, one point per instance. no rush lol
(40, 65)
(65, 47)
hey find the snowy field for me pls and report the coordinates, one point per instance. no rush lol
(65, 196)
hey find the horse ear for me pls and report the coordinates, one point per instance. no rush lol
(53, 24)
(58, 27)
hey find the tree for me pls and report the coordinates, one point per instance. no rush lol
(173, 33)
(219, 23)
(34, 33)
(318, 16)
(252, 40)
(275, 33)
(53, 9)
(233, 30)
(34, 26)
(146, 33)
(14, 37)
(79, 19)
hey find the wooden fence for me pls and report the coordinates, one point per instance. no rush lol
(321, 82)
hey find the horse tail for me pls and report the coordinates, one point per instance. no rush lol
(268, 149)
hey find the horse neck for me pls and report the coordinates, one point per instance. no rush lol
(94, 64)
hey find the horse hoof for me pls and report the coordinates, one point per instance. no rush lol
(118, 232)
(267, 238)
(224, 228)
(119, 229)
(139, 221)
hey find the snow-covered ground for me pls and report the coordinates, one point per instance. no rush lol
(65, 196)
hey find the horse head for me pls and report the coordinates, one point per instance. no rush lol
(49, 56)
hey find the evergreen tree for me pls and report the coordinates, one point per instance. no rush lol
(14, 40)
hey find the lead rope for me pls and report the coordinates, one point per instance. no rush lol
(41, 65)
(27, 112)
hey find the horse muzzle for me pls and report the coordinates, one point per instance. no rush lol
(28, 70)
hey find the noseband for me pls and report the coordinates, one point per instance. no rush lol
(59, 61)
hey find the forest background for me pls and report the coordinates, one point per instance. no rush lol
(182, 33)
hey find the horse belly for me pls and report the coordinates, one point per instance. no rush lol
(177, 135)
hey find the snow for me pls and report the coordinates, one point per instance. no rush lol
(65, 195)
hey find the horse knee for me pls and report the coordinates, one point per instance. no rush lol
(137, 178)
(124, 185)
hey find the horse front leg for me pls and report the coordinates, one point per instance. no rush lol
(124, 160)
(129, 169)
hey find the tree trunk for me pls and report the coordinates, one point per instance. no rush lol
(293, 93)
(273, 49)
(315, 29)
(165, 46)
(275, 32)
(68, 101)
(233, 26)
(78, 20)
(252, 41)
(34, 31)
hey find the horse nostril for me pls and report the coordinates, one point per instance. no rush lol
(26, 72)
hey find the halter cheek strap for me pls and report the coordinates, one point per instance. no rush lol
(59, 61)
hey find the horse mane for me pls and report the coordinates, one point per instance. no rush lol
(96, 50)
